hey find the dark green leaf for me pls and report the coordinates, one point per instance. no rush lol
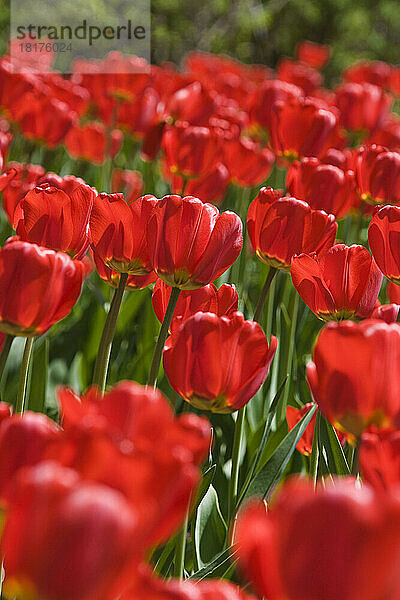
(38, 381)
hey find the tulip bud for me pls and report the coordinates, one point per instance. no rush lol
(378, 175)
(383, 238)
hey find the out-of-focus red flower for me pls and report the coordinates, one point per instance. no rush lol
(314, 55)
(49, 217)
(234, 354)
(386, 312)
(322, 545)
(190, 243)
(191, 103)
(393, 292)
(132, 429)
(209, 188)
(118, 232)
(190, 151)
(130, 183)
(222, 301)
(89, 141)
(27, 275)
(384, 240)
(394, 81)
(24, 441)
(354, 376)
(375, 72)
(247, 163)
(322, 186)
(341, 283)
(299, 73)
(266, 95)
(299, 127)
(5, 140)
(380, 458)
(362, 106)
(279, 228)
(83, 532)
(387, 134)
(15, 182)
(14, 85)
(378, 175)
(293, 416)
(112, 278)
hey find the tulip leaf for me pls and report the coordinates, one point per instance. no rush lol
(269, 475)
(38, 380)
(205, 483)
(221, 560)
(210, 530)
(335, 456)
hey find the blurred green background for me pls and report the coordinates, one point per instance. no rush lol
(258, 31)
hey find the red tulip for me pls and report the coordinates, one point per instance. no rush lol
(380, 458)
(89, 141)
(299, 73)
(341, 283)
(378, 175)
(384, 239)
(209, 188)
(128, 182)
(223, 301)
(192, 103)
(293, 416)
(279, 228)
(65, 539)
(190, 151)
(112, 278)
(387, 134)
(218, 363)
(353, 376)
(322, 186)
(323, 545)
(24, 441)
(247, 163)
(362, 106)
(315, 55)
(16, 182)
(300, 128)
(386, 312)
(266, 95)
(191, 243)
(118, 232)
(375, 72)
(393, 292)
(52, 218)
(27, 274)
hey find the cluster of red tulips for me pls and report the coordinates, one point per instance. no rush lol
(105, 502)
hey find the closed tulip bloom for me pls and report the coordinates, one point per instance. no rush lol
(322, 545)
(266, 95)
(52, 218)
(384, 241)
(222, 301)
(378, 175)
(322, 186)
(341, 283)
(376, 72)
(190, 243)
(300, 128)
(118, 232)
(393, 292)
(354, 374)
(27, 273)
(89, 141)
(362, 106)
(386, 312)
(380, 458)
(218, 363)
(128, 182)
(247, 163)
(299, 73)
(16, 182)
(315, 55)
(279, 228)
(209, 188)
(84, 534)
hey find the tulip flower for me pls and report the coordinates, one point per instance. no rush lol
(218, 363)
(279, 228)
(52, 218)
(300, 128)
(266, 95)
(192, 103)
(341, 283)
(293, 416)
(353, 374)
(383, 238)
(247, 163)
(380, 458)
(89, 141)
(118, 232)
(393, 292)
(386, 312)
(378, 175)
(84, 534)
(332, 543)
(27, 273)
(128, 182)
(112, 278)
(190, 243)
(362, 106)
(322, 186)
(209, 188)
(16, 182)
(375, 72)
(299, 73)
(223, 301)
(314, 55)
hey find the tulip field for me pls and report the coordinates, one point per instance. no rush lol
(200, 353)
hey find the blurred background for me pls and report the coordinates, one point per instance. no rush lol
(256, 31)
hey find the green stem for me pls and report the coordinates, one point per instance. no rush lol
(20, 404)
(180, 548)
(5, 352)
(289, 362)
(355, 465)
(264, 293)
(270, 309)
(233, 484)
(103, 355)
(184, 184)
(162, 336)
(314, 458)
